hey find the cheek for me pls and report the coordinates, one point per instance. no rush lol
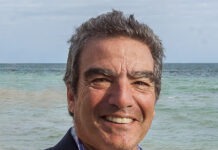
(147, 104)
(95, 96)
(89, 99)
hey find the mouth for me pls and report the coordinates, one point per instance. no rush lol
(118, 120)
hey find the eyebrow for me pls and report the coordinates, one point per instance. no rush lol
(98, 71)
(142, 74)
(107, 72)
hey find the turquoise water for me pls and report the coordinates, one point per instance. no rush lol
(33, 110)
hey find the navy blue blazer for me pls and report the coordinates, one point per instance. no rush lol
(66, 143)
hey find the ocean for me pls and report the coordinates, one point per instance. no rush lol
(33, 110)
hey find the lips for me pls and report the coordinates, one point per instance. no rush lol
(119, 120)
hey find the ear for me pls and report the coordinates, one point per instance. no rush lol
(154, 113)
(70, 99)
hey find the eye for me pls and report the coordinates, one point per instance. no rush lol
(142, 85)
(100, 80)
(100, 83)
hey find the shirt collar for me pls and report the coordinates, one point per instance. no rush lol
(79, 143)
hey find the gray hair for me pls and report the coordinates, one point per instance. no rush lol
(112, 24)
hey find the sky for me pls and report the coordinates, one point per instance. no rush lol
(37, 31)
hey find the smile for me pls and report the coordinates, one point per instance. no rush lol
(119, 120)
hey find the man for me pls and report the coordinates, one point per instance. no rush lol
(113, 81)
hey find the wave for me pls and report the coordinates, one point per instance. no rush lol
(9, 96)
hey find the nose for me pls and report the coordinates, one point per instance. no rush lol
(121, 95)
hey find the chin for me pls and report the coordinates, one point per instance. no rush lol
(120, 143)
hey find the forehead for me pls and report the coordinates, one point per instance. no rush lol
(116, 53)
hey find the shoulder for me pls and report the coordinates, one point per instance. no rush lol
(66, 143)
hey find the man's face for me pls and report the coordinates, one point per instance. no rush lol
(114, 105)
